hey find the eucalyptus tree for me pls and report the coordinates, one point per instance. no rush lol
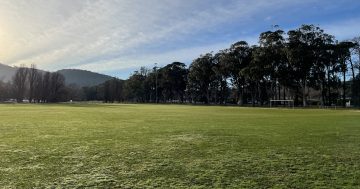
(5, 91)
(356, 64)
(173, 81)
(2, 91)
(355, 89)
(302, 54)
(151, 85)
(323, 60)
(221, 76)
(200, 77)
(238, 57)
(38, 87)
(20, 83)
(46, 87)
(257, 74)
(33, 74)
(356, 52)
(273, 59)
(344, 56)
(134, 86)
(113, 90)
(57, 87)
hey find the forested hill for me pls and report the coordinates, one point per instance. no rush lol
(6, 72)
(83, 77)
(72, 76)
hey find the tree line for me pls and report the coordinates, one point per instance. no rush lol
(35, 86)
(306, 65)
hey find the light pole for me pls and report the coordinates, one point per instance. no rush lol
(156, 84)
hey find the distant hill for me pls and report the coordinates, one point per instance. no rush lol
(72, 76)
(83, 78)
(6, 72)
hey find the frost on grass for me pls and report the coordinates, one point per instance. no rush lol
(101, 177)
(179, 138)
(187, 137)
(22, 168)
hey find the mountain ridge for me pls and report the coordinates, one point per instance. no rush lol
(6, 72)
(83, 77)
(78, 77)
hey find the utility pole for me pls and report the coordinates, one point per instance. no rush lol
(156, 83)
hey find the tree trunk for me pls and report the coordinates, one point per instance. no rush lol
(239, 94)
(344, 89)
(284, 93)
(304, 92)
(352, 69)
(207, 95)
(240, 97)
(260, 94)
(322, 94)
(297, 96)
(329, 88)
(253, 94)
(279, 91)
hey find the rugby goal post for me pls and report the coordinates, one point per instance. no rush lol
(290, 103)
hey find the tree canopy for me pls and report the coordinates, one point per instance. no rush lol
(306, 65)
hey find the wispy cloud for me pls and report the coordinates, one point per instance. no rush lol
(344, 30)
(108, 35)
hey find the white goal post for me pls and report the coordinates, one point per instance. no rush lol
(289, 102)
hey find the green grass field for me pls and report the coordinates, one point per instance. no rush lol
(177, 146)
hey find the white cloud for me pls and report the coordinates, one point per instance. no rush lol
(135, 61)
(103, 35)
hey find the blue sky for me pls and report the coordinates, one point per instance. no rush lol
(116, 37)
